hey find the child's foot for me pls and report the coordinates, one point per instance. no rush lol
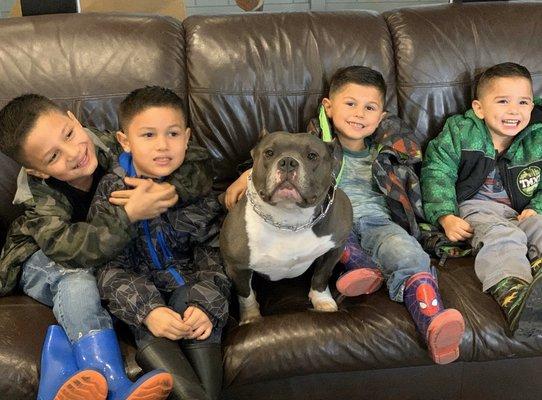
(156, 387)
(359, 281)
(84, 385)
(444, 336)
(529, 318)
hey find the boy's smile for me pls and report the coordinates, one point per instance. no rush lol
(356, 111)
(505, 106)
(157, 137)
(59, 147)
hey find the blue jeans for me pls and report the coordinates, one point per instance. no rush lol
(72, 293)
(394, 250)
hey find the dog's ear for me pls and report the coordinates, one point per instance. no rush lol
(263, 133)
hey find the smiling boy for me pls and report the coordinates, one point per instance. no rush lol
(480, 182)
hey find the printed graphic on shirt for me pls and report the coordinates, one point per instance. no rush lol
(528, 180)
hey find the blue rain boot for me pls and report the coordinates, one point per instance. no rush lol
(60, 379)
(442, 328)
(100, 350)
(361, 275)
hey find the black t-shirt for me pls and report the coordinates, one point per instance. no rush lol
(79, 199)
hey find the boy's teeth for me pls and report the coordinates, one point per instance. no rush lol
(511, 121)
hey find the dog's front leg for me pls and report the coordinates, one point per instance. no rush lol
(319, 295)
(249, 309)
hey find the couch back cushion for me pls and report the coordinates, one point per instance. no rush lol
(253, 71)
(440, 49)
(87, 63)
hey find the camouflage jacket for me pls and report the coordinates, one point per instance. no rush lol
(180, 247)
(46, 223)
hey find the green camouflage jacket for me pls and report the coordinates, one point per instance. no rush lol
(46, 223)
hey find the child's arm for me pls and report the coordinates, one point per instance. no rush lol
(211, 289)
(526, 213)
(236, 190)
(455, 228)
(129, 296)
(439, 173)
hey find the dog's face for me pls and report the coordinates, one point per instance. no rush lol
(292, 169)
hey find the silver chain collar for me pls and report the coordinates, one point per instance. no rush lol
(250, 193)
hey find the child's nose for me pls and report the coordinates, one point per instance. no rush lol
(71, 151)
(162, 143)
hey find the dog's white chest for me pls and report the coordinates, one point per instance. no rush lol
(282, 254)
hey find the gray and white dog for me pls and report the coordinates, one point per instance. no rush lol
(292, 215)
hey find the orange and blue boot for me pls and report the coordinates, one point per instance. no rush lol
(361, 275)
(442, 328)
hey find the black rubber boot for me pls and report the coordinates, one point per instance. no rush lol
(167, 355)
(206, 358)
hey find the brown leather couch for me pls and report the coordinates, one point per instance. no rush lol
(239, 74)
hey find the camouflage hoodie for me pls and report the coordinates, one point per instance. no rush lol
(179, 247)
(46, 223)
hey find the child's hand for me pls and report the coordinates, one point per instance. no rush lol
(164, 322)
(456, 229)
(236, 190)
(199, 322)
(147, 200)
(528, 212)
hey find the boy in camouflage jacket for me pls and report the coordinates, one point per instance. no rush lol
(168, 284)
(55, 248)
(480, 181)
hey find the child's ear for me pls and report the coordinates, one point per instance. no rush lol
(123, 140)
(327, 106)
(36, 173)
(187, 132)
(382, 116)
(73, 118)
(477, 108)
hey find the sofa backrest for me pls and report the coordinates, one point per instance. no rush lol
(253, 71)
(440, 49)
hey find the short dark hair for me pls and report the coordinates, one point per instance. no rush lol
(359, 75)
(18, 118)
(149, 96)
(503, 70)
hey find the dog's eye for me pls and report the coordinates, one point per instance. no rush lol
(312, 156)
(268, 153)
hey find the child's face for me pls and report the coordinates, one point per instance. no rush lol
(505, 106)
(356, 110)
(157, 137)
(59, 147)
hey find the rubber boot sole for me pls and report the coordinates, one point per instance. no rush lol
(84, 385)
(156, 387)
(444, 336)
(359, 281)
(528, 323)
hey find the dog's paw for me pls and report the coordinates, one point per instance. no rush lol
(325, 305)
(250, 319)
(322, 301)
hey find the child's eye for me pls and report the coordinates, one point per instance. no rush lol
(502, 101)
(525, 102)
(69, 134)
(350, 103)
(53, 157)
(174, 134)
(370, 108)
(148, 134)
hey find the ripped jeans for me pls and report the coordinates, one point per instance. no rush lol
(71, 292)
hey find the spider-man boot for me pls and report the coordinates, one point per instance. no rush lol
(442, 328)
(361, 275)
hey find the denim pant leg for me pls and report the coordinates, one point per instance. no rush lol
(398, 254)
(502, 244)
(532, 227)
(72, 293)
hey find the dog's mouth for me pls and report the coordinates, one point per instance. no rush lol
(286, 191)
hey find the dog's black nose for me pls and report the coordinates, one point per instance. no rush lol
(288, 164)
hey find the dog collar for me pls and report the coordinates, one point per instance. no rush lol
(324, 208)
